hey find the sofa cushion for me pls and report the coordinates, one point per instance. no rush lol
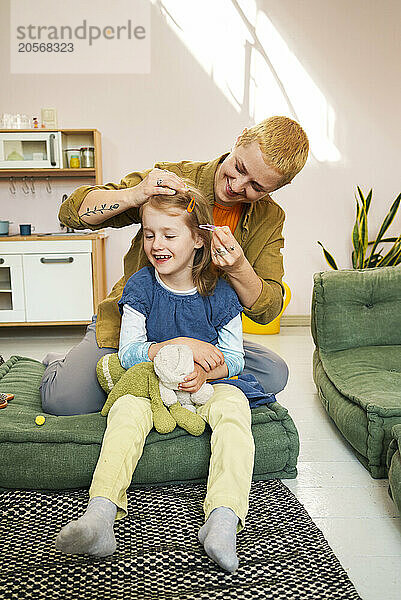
(62, 453)
(361, 390)
(358, 307)
(394, 465)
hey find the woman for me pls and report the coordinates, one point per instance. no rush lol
(247, 249)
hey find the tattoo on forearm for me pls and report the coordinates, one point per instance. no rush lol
(101, 209)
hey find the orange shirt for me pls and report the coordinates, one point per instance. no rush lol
(227, 215)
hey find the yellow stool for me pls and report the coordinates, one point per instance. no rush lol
(249, 326)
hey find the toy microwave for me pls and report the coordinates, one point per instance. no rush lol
(31, 150)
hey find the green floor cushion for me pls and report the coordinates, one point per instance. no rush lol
(62, 453)
(394, 466)
(361, 390)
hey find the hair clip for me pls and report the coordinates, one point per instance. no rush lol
(208, 227)
(191, 205)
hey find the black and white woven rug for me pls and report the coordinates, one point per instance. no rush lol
(282, 554)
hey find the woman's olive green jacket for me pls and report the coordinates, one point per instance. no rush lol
(259, 232)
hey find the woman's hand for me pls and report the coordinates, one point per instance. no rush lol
(157, 181)
(228, 255)
(226, 251)
(206, 355)
(194, 381)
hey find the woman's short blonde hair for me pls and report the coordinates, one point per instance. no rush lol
(283, 142)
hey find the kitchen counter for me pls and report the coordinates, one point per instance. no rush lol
(93, 235)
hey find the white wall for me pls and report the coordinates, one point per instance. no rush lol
(351, 51)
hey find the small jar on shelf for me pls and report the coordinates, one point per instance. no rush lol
(87, 156)
(72, 155)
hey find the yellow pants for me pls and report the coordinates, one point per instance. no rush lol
(232, 450)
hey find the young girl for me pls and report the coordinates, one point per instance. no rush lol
(177, 299)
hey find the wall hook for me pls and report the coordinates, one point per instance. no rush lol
(12, 186)
(48, 185)
(32, 184)
(25, 187)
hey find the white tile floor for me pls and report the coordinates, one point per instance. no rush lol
(354, 511)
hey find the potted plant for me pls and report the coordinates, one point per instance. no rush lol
(376, 258)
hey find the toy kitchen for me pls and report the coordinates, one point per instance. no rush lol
(49, 274)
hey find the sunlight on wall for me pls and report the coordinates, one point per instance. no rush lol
(215, 34)
(309, 106)
(248, 60)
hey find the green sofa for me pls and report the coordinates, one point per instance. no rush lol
(356, 326)
(62, 453)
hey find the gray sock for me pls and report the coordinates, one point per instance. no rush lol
(51, 357)
(93, 532)
(218, 536)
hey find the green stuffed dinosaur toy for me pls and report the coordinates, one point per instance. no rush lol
(157, 381)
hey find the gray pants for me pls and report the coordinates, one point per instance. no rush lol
(70, 386)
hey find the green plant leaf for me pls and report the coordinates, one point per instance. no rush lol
(384, 240)
(363, 238)
(355, 236)
(386, 224)
(361, 195)
(365, 201)
(391, 253)
(397, 259)
(368, 201)
(329, 258)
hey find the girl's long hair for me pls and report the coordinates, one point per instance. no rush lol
(204, 273)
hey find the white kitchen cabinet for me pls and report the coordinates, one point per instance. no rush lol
(58, 287)
(12, 300)
(52, 281)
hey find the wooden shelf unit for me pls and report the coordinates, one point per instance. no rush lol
(71, 137)
(84, 172)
